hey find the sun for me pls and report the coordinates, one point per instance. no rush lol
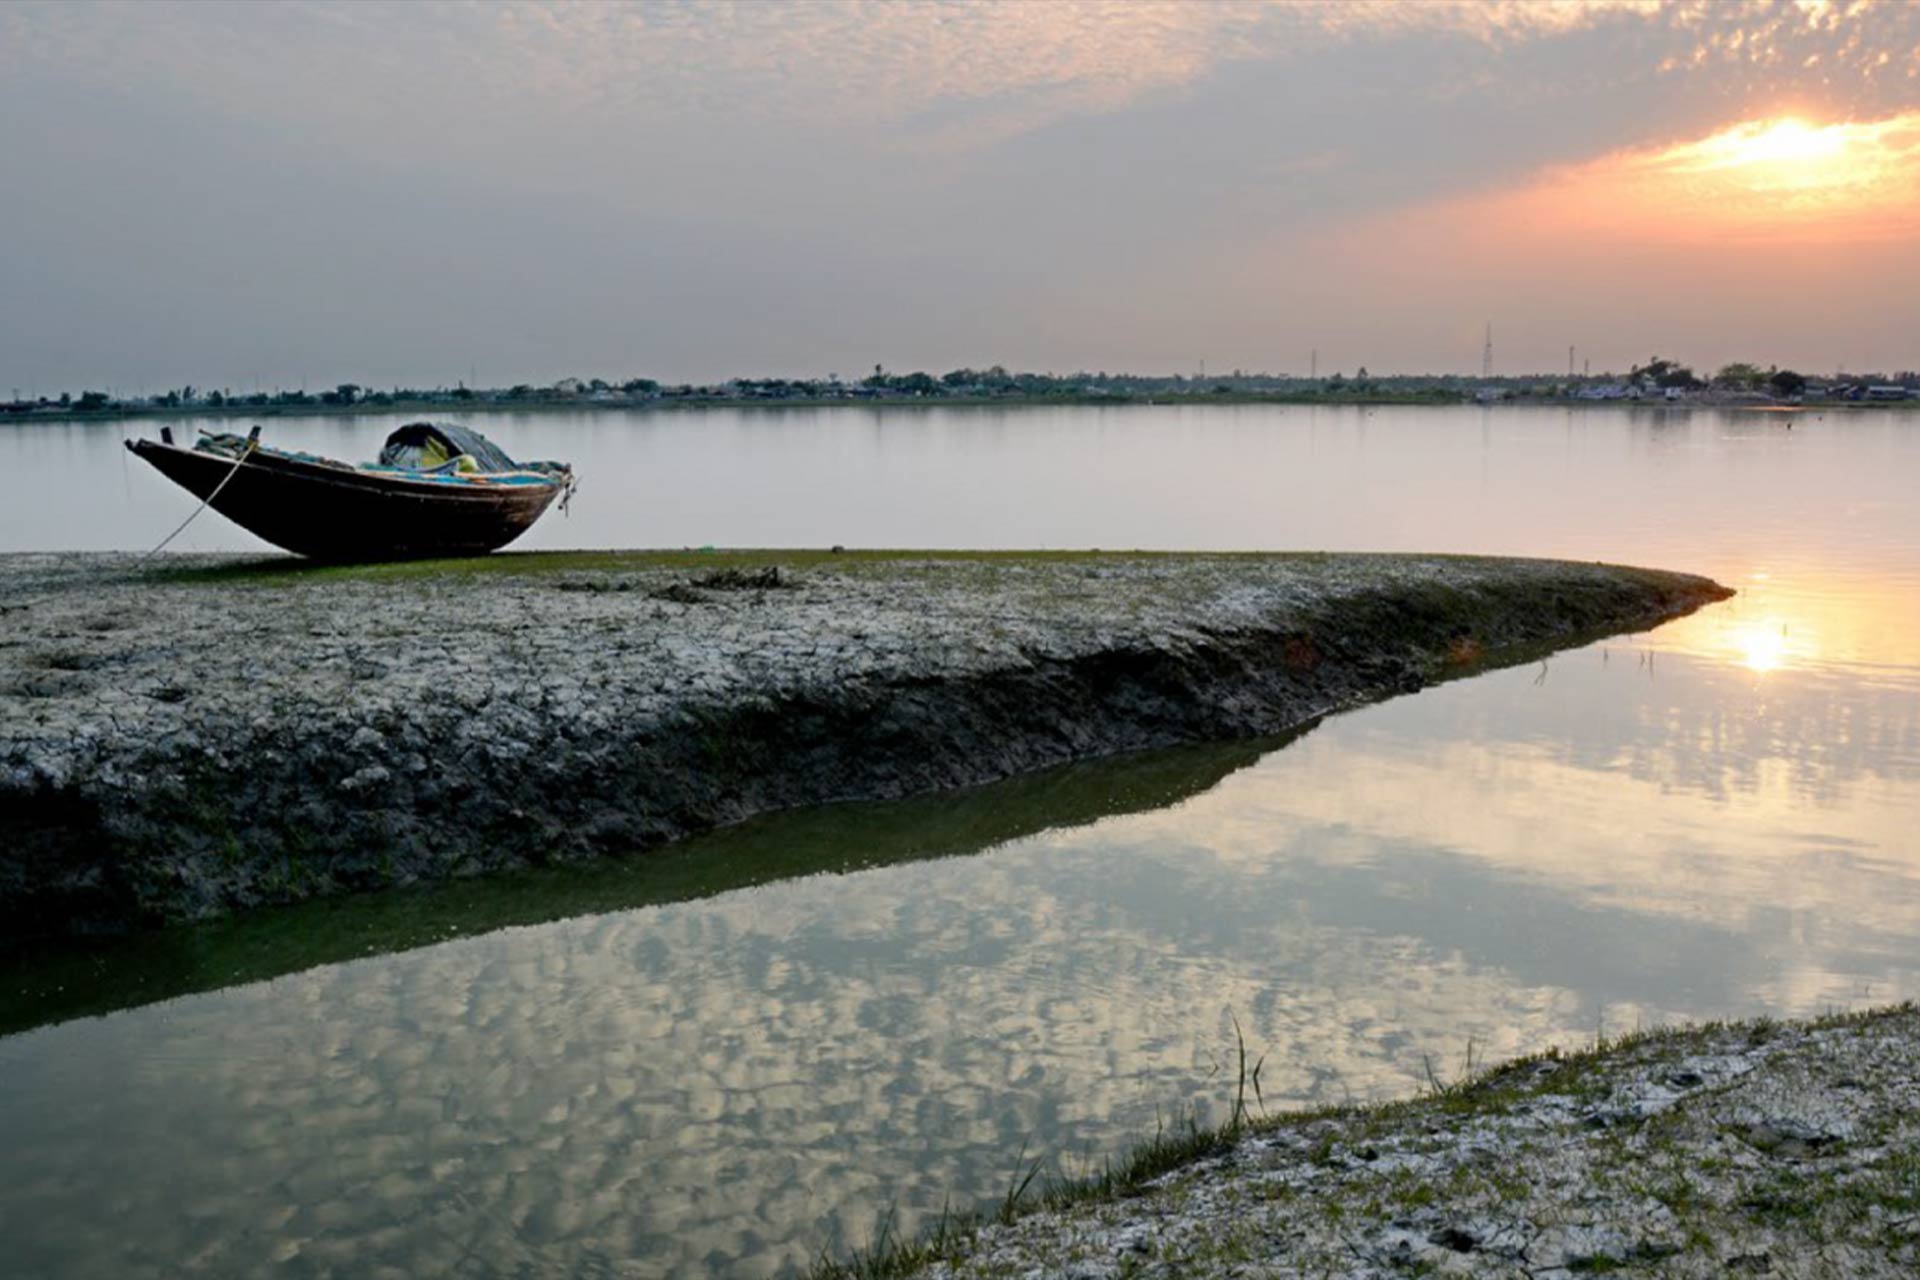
(1787, 141)
(1787, 179)
(1773, 177)
(1844, 161)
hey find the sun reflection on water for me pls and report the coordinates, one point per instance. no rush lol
(1763, 645)
(1859, 622)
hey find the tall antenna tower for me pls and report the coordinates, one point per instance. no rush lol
(1313, 364)
(1569, 362)
(1486, 354)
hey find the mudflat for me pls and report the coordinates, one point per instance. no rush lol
(189, 735)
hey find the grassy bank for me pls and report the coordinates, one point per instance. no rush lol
(1754, 1147)
(615, 566)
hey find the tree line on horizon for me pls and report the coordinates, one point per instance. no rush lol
(965, 382)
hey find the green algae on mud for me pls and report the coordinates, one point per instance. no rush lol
(291, 570)
(217, 734)
(54, 980)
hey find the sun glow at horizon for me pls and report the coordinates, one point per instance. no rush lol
(1778, 176)
(1773, 180)
(1741, 204)
(1784, 141)
(1790, 153)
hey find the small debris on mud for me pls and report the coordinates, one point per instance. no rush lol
(769, 578)
(679, 593)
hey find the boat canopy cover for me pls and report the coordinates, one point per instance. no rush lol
(423, 446)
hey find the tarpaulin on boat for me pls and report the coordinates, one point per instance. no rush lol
(423, 446)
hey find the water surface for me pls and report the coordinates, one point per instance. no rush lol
(727, 1072)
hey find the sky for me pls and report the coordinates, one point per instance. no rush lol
(422, 193)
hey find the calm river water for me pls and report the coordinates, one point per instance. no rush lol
(730, 1059)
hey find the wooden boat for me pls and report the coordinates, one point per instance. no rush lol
(438, 490)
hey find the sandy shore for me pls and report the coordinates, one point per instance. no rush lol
(202, 734)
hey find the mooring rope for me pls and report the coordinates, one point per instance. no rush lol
(204, 502)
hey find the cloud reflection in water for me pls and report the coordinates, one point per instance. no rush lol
(730, 1085)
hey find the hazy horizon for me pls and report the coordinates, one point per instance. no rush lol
(423, 194)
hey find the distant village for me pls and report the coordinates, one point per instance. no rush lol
(1658, 380)
(1732, 384)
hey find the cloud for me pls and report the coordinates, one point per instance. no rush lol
(855, 63)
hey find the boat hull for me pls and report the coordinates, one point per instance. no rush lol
(337, 513)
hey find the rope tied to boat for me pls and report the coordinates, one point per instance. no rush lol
(253, 442)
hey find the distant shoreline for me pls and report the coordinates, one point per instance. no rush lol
(467, 408)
